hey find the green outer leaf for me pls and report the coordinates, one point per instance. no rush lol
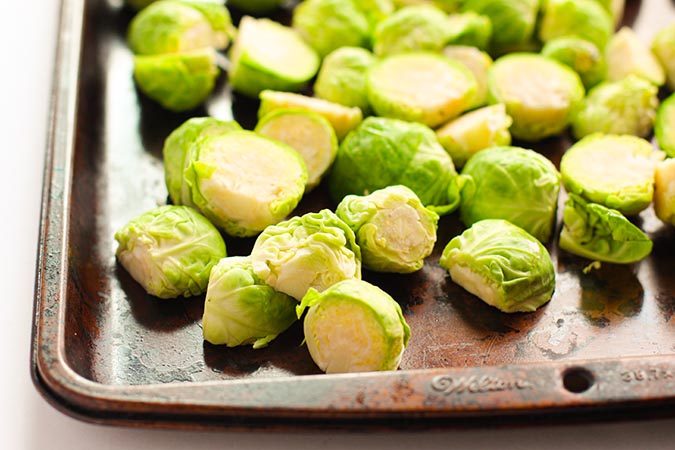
(582, 56)
(582, 18)
(218, 16)
(665, 126)
(513, 20)
(413, 28)
(343, 77)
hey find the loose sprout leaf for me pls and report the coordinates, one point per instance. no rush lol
(665, 126)
(664, 191)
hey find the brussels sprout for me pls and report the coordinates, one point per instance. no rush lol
(478, 63)
(327, 25)
(469, 29)
(626, 106)
(354, 326)
(445, 5)
(316, 251)
(665, 126)
(663, 47)
(343, 77)
(414, 28)
(267, 55)
(177, 81)
(502, 265)
(615, 171)
(480, 129)
(420, 87)
(627, 55)
(375, 11)
(342, 118)
(244, 182)
(383, 152)
(581, 56)
(177, 147)
(512, 20)
(170, 251)
(394, 230)
(513, 184)
(308, 133)
(540, 94)
(664, 191)
(582, 18)
(601, 234)
(241, 310)
(257, 7)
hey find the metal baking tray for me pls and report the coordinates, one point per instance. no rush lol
(106, 352)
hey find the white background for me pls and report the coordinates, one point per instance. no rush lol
(27, 35)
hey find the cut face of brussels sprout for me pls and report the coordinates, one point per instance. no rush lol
(664, 49)
(502, 265)
(178, 82)
(343, 77)
(512, 20)
(354, 326)
(664, 191)
(420, 87)
(513, 184)
(244, 182)
(241, 310)
(170, 251)
(464, 137)
(627, 106)
(580, 55)
(601, 234)
(308, 133)
(540, 94)
(615, 171)
(342, 118)
(219, 19)
(385, 152)
(394, 230)
(585, 19)
(414, 28)
(627, 55)
(469, 29)
(665, 126)
(316, 251)
(267, 55)
(255, 6)
(478, 63)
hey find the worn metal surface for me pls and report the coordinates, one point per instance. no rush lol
(105, 351)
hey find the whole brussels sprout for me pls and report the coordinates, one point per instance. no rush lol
(502, 265)
(585, 19)
(414, 28)
(615, 171)
(316, 251)
(664, 191)
(393, 229)
(257, 7)
(478, 63)
(170, 251)
(469, 29)
(541, 95)
(627, 55)
(581, 56)
(665, 126)
(513, 184)
(241, 310)
(354, 326)
(420, 87)
(383, 152)
(601, 234)
(343, 77)
(663, 48)
(626, 106)
(327, 25)
(512, 20)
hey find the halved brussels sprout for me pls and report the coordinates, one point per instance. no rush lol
(383, 152)
(241, 310)
(502, 265)
(177, 81)
(513, 21)
(513, 184)
(244, 182)
(626, 106)
(601, 234)
(394, 230)
(663, 47)
(580, 55)
(414, 28)
(343, 119)
(541, 95)
(627, 55)
(615, 171)
(469, 29)
(267, 55)
(257, 7)
(375, 11)
(343, 77)
(478, 63)
(327, 25)
(308, 133)
(170, 251)
(354, 326)
(585, 19)
(665, 126)
(420, 87)
(664, 191)
(475, 131)
(316, 251)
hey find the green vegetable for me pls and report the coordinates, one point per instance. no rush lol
(581, 56)
(663, 48)
(665, 126)
(626, 106)
(445, 5)
(585, 19)
(170, 251)
(614, 7)
(241, 310)
(394, 230)
(513, 184)
(316, 251)
(414, 28)
(627, 55)
(257, 7)
(664, 191)
(502, 265)
(469, 29)
(478, 63)
(384, 152)
(343, 77)
(541, 95)
(601, 234)
(354, 326)
(375, 11)
(420, 87)
(513, 21)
